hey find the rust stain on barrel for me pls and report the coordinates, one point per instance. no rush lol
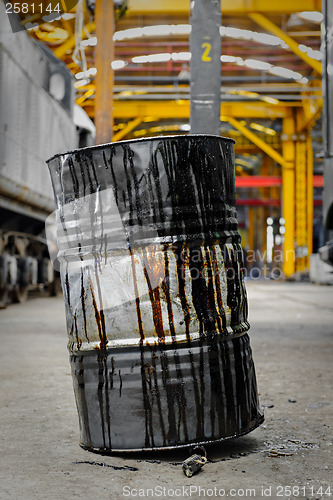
(99, 316)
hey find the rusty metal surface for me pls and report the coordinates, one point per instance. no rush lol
(151, 267)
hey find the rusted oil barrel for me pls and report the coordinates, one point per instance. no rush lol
(151, 268)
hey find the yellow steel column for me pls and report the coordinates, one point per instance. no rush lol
(104, 55)
(301, 210)
(288, 193)
(250, 233)
(265, 194)
(309, 165)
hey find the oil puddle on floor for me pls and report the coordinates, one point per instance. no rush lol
(287, 447)
(103, 464)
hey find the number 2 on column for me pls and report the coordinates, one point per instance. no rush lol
(207, 48)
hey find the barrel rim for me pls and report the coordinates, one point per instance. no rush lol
(141, 139)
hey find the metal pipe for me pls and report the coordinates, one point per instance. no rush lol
(104, 18)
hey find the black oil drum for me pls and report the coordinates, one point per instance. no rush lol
(156, 308)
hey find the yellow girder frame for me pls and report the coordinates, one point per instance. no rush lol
(269, 26)
(70, 43)
(127, 129)
(256, 140)
(181, 109)
(229, 7)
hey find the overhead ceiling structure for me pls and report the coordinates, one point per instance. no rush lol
(270, 86)
(270, 58)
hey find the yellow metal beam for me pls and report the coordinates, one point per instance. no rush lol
(256, 140)
(309, 187)
(236, 7)
(269, 26)
(265, 194)
(310, 118)
(250, 232)
(126, 130)
(67, 26)
(311, 107)
(288, 194)
(85, 96)
(301, 210)
(70, 43)
(181, 109)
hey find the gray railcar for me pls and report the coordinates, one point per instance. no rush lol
(36, 121)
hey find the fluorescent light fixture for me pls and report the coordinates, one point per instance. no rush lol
(314, 54)
(313, 16)
(252, 35)
(67, 16)
(167, 30)
(164, 57)
(153, 31)
(185, 29)
(140, 59)
(235, 32)
(86, 74)
(285, 73)
(127, 34)
(303, 48)
(255, 64)
(249, 63)
(159, 30)
(89, 42)
(118, 64)
(181, 29)
(231, 59)
(81, 83)
(181, 56)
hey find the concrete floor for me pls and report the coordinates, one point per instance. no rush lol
(292, 340)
